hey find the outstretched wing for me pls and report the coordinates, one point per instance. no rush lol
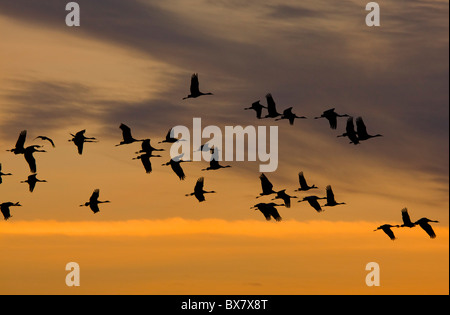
(195, 84)
(271, 107)
(176, 167)
(145, 159)
(315, 204)
(94, 196)
(302, 181)
(21, 140)
(360, 127)
(427, 228)
(405, 217)
(330, 194)
(389, 233)
(30, 160)
(265, 184)
(126, 131)
(274, 213)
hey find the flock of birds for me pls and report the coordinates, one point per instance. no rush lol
(268, 210)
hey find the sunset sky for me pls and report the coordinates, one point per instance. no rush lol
(131, 62)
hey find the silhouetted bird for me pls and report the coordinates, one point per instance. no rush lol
(126, 134)
(257, 107)
(94, 202)
(3, 174)
(19, 148)
(46, 139)
(362, 131)
(266, 185)
(214, 161)
(30, 158)
(313, 202)
(331, 116)
(79, 139)
(32, 180)
(176, 167)
(268, 210)
(195, 90)
(331, 202)
(387, 229)
(4, 208)
(303, 185)
(285, 197)
(169, 138)
(424, 224)
(147, 147)
(406, 219)
(145, 159)
(350, 132)
(287, 114)
(271, 107)
(198, 190)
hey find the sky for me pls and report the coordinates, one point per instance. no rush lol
(131, 62)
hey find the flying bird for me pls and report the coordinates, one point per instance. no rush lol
(145, 159)
(32, 180)
(176, 167)
(169, 138)
(44, 138)
(350, 132)
(30, 158)
(313, 202)
(331, 116)
(331, 202)
(94, 202)
(361, 130)
(147, 147)
(285, 197)
(266, 185)
(79, 139)
(195, 90)
(406, 219)
(199, 193)
(214, 161)
(126, 135)
(257, 107)
(271, 107)
(3, 174)
(268, 210)
(424, 223)
(288, 114)
(303, 185)
(4, 208)
(387, 229)
(19, 148)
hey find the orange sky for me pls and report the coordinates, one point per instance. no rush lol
(151, 238)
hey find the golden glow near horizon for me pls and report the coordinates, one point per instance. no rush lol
(131, 63)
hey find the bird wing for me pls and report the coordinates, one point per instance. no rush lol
(146, 147)
(126, 131)
(265, 184)
(315, 204)
(350, 128)
(5, 211)
(145, 159)
(361, 129)
(168, 136)
(258, 112)
(333, 121)
(330, 194)
(195, 89)
(199, 185)
(176, 167)
(405, 217)
(274, 213)
(94, 196)
(302, 180)
(427, 228)
(389, 232)
(94, 207)
(21, 140)
(271, 107)
(30, 160)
